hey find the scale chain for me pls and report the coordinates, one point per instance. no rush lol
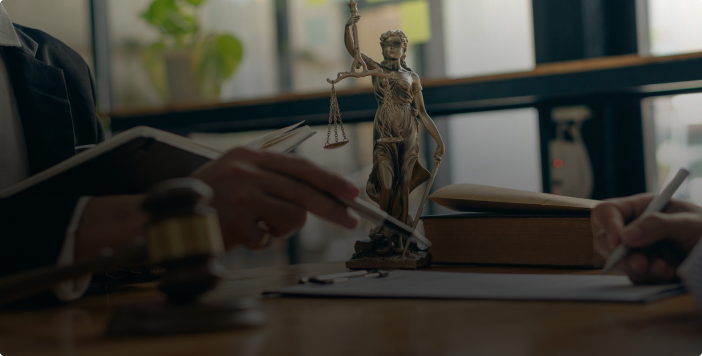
(332, 112)
(334, 119)
(336, 132)
(343, 132)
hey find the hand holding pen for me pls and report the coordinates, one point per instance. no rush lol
(656, 233)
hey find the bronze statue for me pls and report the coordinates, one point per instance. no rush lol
(396, 171)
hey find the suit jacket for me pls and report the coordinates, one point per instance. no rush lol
(56, 102)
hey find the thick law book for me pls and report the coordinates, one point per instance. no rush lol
(133, 160)
(507, 226)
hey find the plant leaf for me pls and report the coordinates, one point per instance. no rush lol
(156, 67)
(172, 20)
(196, 2)
(229, 53)
(215, 59)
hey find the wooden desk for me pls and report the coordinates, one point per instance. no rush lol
(315, 326)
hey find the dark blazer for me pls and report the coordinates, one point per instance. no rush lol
(56, 102)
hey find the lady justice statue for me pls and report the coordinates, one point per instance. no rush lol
(396, 171)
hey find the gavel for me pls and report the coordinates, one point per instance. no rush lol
(183, 236)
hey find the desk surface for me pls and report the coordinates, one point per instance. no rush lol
(360, 327)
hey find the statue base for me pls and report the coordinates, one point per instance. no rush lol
(365, 258)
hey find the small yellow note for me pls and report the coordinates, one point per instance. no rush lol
(415, 21)
(316, 2)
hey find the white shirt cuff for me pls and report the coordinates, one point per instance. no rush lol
(74, 288)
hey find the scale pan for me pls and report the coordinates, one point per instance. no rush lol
(335, 145)
(390, 140)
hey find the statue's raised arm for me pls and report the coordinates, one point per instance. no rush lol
(351, 42)
(359, 62)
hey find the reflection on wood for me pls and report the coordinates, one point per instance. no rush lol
(315, 326)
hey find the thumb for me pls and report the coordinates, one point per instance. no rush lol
(679, 227)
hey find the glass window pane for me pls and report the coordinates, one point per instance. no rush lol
(152, 59)
(253, 23)
(317, 37)
(676, 142)
(488, 37)
(499, 148)
(674, 25)
(152, 66)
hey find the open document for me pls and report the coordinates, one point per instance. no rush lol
(447, 285)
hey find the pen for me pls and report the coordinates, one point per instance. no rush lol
(368, 211)
(380, 217)
(656, 205)
(343, 277)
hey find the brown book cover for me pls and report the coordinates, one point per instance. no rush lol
(507, 226)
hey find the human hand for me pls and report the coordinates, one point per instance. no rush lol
(658, 242)
(255, 186)
(353, 20)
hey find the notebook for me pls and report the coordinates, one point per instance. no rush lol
(133, 160)
(450, 285)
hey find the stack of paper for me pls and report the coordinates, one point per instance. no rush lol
(446, 285)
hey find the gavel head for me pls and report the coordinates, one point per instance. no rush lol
(183, 236)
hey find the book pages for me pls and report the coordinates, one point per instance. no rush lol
(482, 198)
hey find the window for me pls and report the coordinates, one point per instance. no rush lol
(296, 47)
(488, 37)
(674, 25)
(499, 148)
(135, 74)
(675, 141)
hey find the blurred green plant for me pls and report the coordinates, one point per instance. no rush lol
(214, 57)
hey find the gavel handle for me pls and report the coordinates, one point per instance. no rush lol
(29, 283)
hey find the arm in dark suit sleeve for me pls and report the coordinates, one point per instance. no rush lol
(32, 231)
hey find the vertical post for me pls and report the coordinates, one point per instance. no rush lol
(432, 53)
(629, 134)
(285, 59)
(594, 41)
(547, 132)
(578, 29)
(101, 53)
(642, 28)
(558, 30)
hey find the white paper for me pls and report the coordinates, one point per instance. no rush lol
(446, 285)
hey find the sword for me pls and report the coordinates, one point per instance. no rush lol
(434, 170)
